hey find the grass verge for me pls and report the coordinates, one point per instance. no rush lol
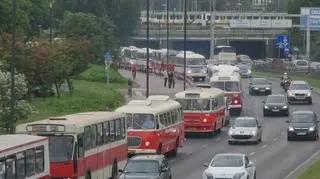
(90, 94)
(312, 80)
(312, 173)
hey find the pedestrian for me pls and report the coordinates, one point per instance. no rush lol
(165, 75)
(170, 78)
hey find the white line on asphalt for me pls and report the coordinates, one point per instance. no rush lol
(301, 165)
(275, 139)
(188, 153)
(264, 146)
(205, 145)
(252, 153)
(218, 139)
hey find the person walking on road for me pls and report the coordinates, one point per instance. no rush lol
(134, 70)
(165, 75)
(170, 78)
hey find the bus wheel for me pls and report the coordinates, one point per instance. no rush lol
(88, 175)
(175, 150)
(159, 149)
(114, 171)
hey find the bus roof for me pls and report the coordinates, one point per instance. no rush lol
(190, 55)
(226, 76)
(74, 121)
(203, 92)
(154, 104)
(11, 142)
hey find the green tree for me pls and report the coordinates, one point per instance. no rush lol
(23, 108)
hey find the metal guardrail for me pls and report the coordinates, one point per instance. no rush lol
(286, 68)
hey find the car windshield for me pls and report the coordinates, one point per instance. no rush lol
(303, 86)
(227, 161)
(243, 67)
(195, 104)
(61, 148)
(195, 70)
(228, 86)
(260, 82)
(142, 166)
(244, 123)
(302, 118)
(276, 99)
(302, 63)
(141, 121)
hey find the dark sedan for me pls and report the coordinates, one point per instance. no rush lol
(276, 104)
(260, 86)
(303, 125)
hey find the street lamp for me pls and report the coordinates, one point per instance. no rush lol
(213, 18)
(11, 123)
(184, 43)
(148, 36)
(51, 5)
(167, 4)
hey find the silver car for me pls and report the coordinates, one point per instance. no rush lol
(299, 91)
(245, 129)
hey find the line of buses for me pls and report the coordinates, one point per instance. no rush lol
(96, 144)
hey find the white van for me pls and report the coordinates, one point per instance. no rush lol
(301, 65)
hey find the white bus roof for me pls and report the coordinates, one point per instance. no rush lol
(154, 104)
(11, 142)
(203, 92)
(73, 122)
(190, 55)
(225, 77)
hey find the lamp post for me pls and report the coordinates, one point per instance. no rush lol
(51, 5)
(148, 36)
(11, 122)
(213, 18)
(167, 4)
(184, 43)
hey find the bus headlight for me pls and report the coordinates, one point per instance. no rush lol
(235, 101)
(147, 143)
(204, 120)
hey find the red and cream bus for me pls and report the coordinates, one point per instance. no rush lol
(83, 145)
(230, 82)
(24, 156)
(205, 109)
(155, 125)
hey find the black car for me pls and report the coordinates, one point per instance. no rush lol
(260, 86)
(146, 167)
(303, 125)
(276, 104)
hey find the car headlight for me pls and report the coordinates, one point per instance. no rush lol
(285, 107)
(312, 128)
(249, 71)
(253, 132)
(256, 88)
(266, 107)
(309, 94)
(238, 175)
(290, 94)
(230, 132)
(290, 128)
(268, 88)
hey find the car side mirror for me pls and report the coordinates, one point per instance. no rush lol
(250, 164)
(263, 102)
(120, 170)
(311, 88)
(287, 121)
(206, 164)
(259, 127)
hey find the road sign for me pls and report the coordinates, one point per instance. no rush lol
(283, 42)
(107, 59)
(311, 14)
(107, 56)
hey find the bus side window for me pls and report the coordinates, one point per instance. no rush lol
(173, 116)
(118, 129)
(169, 121)
(30, 159)
(123, 128)
(93, 136)
(214, 104)
(162, 120)
(99, 134)
(20, 166)
(112, 131)
(80, 145)
(3, 169)
(10, 168)
(106, 132)
(157, 121)
(87, 138)
(180, 114)
(40, 159)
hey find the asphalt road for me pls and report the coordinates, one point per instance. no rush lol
(274, 158)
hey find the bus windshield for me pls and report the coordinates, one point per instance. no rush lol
(196, 62)
(228, 86)
(141, 121)
(61, 148)
(195, 104)
(218, 49)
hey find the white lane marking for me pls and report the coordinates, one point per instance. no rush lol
(252, 153)
(188, 153)
(264, 146)
(205, 145)
(290, 175)
(218, 139)
(275, 139)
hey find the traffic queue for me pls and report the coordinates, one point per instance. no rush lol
(134, 140)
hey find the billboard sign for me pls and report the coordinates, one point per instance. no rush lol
(261, 23)
(311, 14)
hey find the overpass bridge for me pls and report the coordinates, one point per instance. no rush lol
(230, 27)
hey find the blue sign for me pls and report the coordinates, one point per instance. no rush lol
(283, 41)
(310, 17)
(107, 56)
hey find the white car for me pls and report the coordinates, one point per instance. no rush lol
(230, 165)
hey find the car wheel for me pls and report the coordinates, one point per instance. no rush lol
(256, 142)
(310, 101)
(255, 175)
(289, 138)
(316, 137)
(264, 114)
(230, 142)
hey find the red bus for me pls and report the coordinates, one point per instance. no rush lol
(83, 145)
(155, 125)
(229, 80)
(24, 156)
(205, 109)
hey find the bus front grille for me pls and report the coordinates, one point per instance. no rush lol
(134, 141)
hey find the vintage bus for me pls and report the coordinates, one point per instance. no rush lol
(205, 109)
(24, 156)
(230, 82)
(155, 125)
(225, 55)
(83, 145)
(195, 64)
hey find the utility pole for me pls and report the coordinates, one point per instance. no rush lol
(184, 43)
(308, 39)
(167, 32)
(11, 122)
(148, 36)
(51, 6)
(213, 17)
